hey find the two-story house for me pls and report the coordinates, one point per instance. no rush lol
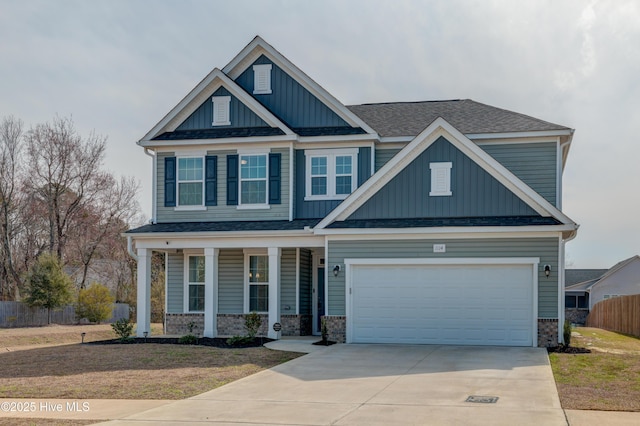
(410, 222)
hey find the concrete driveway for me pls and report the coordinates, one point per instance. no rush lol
(382, 385)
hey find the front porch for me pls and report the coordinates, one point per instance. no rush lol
(211, 289)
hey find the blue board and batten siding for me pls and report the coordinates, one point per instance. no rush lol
(534, 163)
(544, 248)
(240, 115)
(289, 101)
(475, 192)
(318, 209)
(222, 211)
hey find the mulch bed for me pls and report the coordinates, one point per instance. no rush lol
(216, 342)
(324, 343)
(569, 350)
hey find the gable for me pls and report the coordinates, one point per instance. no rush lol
(240, 115)
(289, 100)
(475, 193)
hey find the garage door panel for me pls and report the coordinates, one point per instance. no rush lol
(452, 304)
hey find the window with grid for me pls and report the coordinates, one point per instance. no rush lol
(253, 179)
(258, 283)
(330, 174)
(190, 181)
(196, 283)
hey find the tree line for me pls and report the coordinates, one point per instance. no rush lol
(57, 199)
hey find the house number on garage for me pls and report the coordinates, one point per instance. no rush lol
(439, 248)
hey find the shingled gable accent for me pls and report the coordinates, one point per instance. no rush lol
(440, 127)
(259, 47)
(199, 94)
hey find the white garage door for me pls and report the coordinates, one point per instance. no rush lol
(442, 304)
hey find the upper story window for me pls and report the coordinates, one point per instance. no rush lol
(262, 79)
(221, 110)
(190, 181)
(330, 174)
(253, 179)
(440, 179)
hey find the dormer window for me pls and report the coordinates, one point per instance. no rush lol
(440, 179)
(221, 110)
(262, 79)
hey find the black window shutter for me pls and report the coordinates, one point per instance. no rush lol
(232, 180)
(274, 178)
(170, 181)
(211, 181)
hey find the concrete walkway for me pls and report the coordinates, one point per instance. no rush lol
(381, 385)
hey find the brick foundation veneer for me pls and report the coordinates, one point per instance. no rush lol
(296, 325)
(547, 333)
(576, 316)
(233, 325)
(179, 324)
(336, 328)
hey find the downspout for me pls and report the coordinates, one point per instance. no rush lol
(133, 254)
(154, 185)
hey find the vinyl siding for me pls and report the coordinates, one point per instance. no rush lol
(320, 208)
(534, 163)
(288, 281)
(475, 192)
(239, 115)
(305, 281)
(544, 248)
(384, 155)
(222, 212)
(175, 283)
(289, 101)
(231, 281)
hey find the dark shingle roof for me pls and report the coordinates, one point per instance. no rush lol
(265, 225)
(575, 276)
(220, 133)
(410, 118)
(437, 222)
(328, 131)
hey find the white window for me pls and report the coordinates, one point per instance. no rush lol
(190, 181)
(256, 267)
(253, 179)
(331, 174)
(440, 179)
(221, 110)
(262, 79)
(194, 284)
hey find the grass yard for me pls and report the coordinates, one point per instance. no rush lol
(608, 378)
(33, 368)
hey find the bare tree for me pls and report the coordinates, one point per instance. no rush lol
(11, 135)
(65, 174)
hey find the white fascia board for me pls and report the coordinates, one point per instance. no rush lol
(396, 139)
(182, 242)
(519, 135)
(332, 145)
(205, 89)
(445, 261)
(440, 127)
(258, 46)
(272, 140)
(454, 231)
(338, 138)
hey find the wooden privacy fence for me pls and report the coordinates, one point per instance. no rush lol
(18, 314)
(621, 314)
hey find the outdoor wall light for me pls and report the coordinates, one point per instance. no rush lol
(336, 270)
(145, 334)
(547, 270)
(82, 336)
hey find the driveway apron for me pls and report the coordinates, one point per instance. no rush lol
(383, 385)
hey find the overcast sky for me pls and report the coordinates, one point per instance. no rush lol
(119, 66)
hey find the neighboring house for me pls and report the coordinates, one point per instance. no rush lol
(586, 287)
(576, 293)
(408, 222)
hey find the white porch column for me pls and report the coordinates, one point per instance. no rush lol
(210, 292)
(144, 293)
(274, 290)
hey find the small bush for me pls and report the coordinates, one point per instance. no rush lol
(252, 323)
(123, 329)
(239, 340)
(189, 339)
(566, 332)
(95, 303)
